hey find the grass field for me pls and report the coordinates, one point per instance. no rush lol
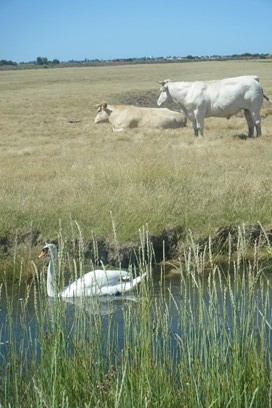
(56, 164)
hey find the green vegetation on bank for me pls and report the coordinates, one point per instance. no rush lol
(217, 354)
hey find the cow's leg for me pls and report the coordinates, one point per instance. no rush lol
(257, 122)
(195, 127)
(199, 119)
(191, 117)
(250, 123)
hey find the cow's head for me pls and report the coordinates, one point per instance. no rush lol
(163, 92)
(103, 113)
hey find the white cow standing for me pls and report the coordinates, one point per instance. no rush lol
(128, 116)
(219, 98)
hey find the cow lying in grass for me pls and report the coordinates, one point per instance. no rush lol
(127, 116)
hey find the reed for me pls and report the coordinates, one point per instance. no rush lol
(201, 339)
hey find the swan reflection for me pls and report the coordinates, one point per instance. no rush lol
(98, 305)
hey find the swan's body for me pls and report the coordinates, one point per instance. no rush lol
(95, 283)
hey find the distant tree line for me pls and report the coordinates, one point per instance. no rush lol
(45, 62)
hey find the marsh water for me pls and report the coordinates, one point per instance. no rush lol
(20, 309)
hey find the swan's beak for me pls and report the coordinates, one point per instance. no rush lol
(42, 254)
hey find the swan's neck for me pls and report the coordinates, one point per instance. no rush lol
(51, 278)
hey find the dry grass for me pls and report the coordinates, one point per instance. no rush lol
(55, 163)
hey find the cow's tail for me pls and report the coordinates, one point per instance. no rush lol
(266, 97)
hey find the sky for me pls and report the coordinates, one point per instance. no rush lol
(111, 29)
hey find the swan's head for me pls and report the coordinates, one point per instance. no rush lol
(50, 249)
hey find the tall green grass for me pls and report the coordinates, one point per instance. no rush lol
(203, 340)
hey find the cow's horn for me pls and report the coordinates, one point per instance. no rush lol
(164, 82)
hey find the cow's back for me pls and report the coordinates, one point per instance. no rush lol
(226, 97)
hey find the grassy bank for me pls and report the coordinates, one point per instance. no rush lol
(55, 163)
(204, 341)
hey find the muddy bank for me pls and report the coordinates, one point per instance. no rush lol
(170, 244)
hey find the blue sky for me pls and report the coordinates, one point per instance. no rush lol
(109, 29)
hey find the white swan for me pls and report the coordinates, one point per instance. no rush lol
(95, 283)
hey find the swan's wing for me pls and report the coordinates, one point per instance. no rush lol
(101, 278)
(122, 287)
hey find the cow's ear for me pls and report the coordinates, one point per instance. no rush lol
(105, 105)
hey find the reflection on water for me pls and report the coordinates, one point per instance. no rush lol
(103, 305)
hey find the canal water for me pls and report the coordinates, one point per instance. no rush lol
(22, 309)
